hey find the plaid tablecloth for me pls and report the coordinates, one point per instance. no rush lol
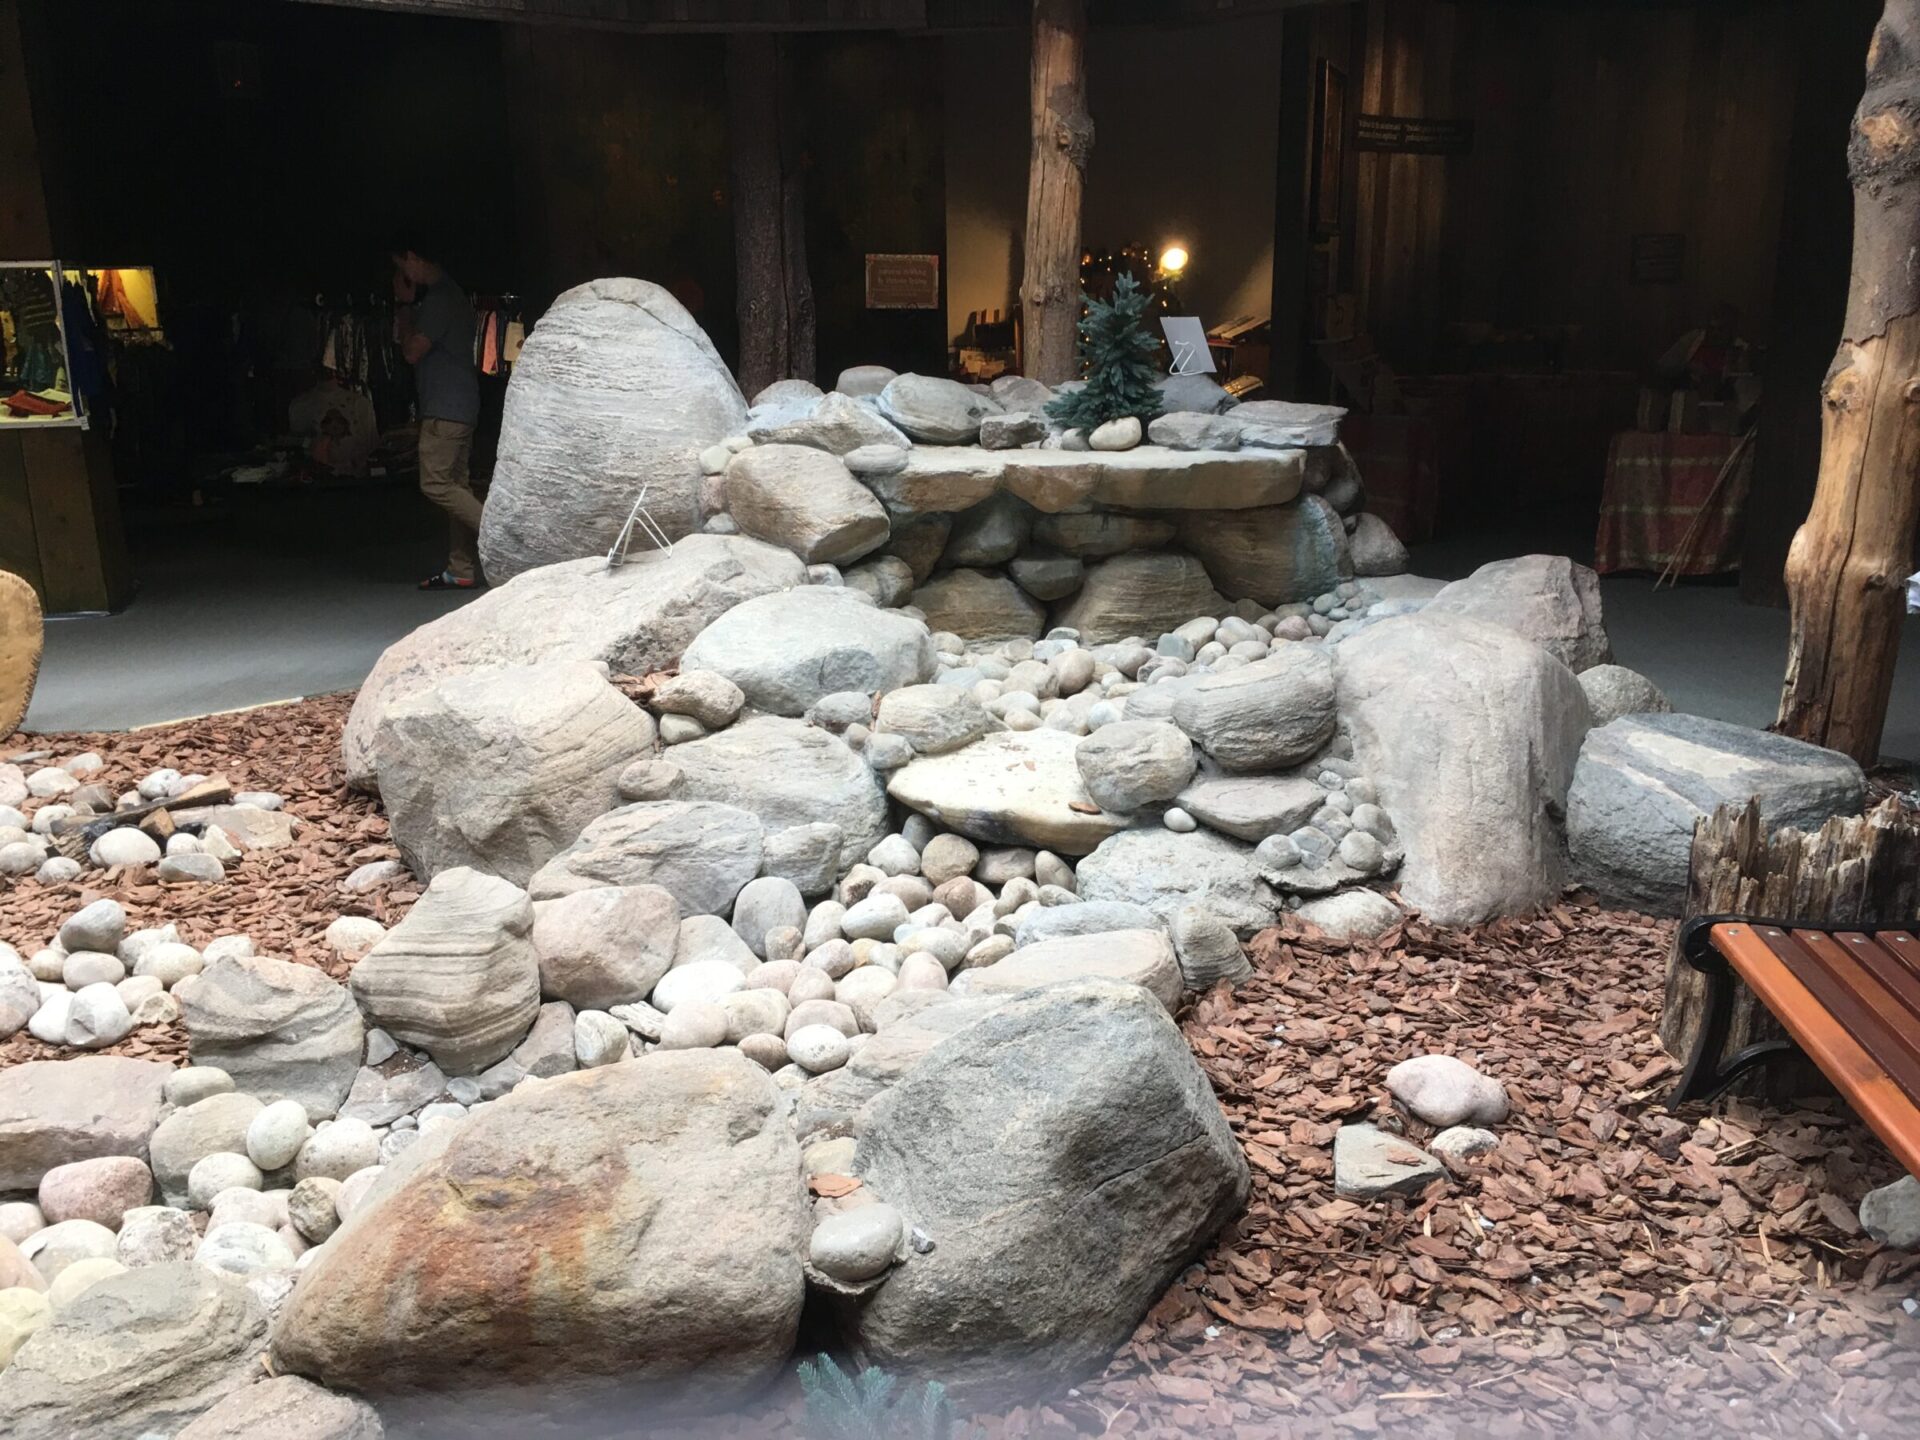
(1658, 484)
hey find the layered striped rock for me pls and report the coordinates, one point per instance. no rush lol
(458, 977)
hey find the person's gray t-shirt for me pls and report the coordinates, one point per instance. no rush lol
(444, 380)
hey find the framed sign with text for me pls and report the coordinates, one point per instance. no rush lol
(903, 282)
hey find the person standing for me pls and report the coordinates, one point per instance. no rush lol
(436, 335)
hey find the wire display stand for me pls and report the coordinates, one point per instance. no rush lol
(637, 516)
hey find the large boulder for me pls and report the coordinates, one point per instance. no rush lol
(1643, 781)
(1470, 734)
(501, 769)
(1010, 788)
(286, 1408)
(1264, 716)
(1165, 871)
(1143, 594)
(138, 1353)
(606, 946)
(1547, 598)
(787, 773)
(1141, 957)
(458, 977)
(804, 499)
(638, 1224)
(54, 1112)
(935, 410)
(1066, 1156)
(616, 388)
(635, 618)
(699, 852)
(787, 651)
(980, 605)
(282, 1030)
(1276, 554)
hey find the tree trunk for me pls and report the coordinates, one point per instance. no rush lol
(1862, 869)
(1847, 564)
(775, 301)
(1056, 179)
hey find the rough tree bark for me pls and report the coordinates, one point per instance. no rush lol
(775, 301)
(1861, 869)
(1847, 563)
(1056, 178)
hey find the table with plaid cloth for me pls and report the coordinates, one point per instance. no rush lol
(1658, 485)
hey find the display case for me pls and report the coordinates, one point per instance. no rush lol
(37, 383)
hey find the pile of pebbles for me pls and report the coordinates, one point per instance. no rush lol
(94, 982)
(38, 793)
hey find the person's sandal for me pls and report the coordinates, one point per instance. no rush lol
(447, 580)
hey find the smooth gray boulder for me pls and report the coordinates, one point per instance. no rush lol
(1142, 956)
(934, 719)
(1469, 733)
(1264, 716)
(631, 1231)
(934, 410)
(1644, 781)
(1273, 554)
(1375, 549)
(617, 388)
(1165, 871)
(500, 769)
(1089, 917)
(980, 605)
(804, 499)
(54, 1112)
(1614, 690)
(636, 618)
(138, 1353)
(1146, 593)
(1009, 788)
(787, 651)
(701, 853)
(458, 977)
(281, 1030)
(286, 1408)
(606, 946)
(835, 423)
(1132, 764)
(1252, 807)
(1547, 598)
(791, 776)
(1053, 1226)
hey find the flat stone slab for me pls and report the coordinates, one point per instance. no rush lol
(1013, 788)
(1252, 807)
(1138, 957)
(948, 478)
(1642, 782)
(1368, 1163)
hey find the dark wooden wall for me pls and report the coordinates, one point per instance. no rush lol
(1592, 124)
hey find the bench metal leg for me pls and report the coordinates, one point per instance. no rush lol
(1705, 1078)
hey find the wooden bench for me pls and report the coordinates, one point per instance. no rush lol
(1849, 997)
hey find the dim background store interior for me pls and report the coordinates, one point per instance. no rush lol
(1480, 225)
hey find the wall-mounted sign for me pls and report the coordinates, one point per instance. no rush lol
(903, 282)
(1412, 135)
(1658, 259)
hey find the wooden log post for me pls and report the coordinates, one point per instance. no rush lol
(1862, 869)
(1847, 564)
(775, 295)
(1056, 180)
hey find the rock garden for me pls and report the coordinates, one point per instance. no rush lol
(1020, 905)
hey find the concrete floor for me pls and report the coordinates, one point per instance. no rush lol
(281, 596)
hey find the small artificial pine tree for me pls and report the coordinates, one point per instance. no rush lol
(1121, 359)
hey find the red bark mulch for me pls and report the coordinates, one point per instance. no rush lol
(1610, 1271)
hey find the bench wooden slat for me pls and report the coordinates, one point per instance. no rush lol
(1884, 963)
(1858, 1001)
(1886, 1108)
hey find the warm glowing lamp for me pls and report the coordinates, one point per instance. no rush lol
(1173, 259)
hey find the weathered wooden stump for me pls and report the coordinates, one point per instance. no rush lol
(1862, 869)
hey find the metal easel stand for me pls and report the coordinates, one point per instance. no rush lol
(648, 526)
